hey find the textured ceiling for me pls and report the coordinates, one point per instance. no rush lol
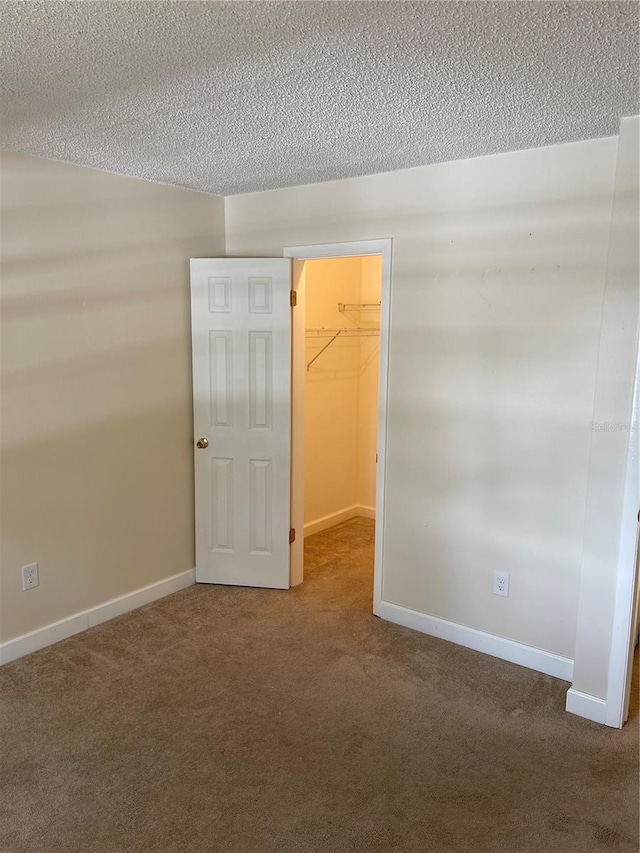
(243, 96)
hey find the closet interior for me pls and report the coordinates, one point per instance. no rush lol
(342, 329)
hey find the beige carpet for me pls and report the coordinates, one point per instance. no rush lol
(226, 719)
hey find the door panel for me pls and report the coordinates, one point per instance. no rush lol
(241, 337)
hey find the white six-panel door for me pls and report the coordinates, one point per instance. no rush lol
(241, 338)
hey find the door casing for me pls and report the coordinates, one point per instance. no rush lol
(625, 626)
(315, 252)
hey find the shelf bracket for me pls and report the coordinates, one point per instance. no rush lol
(326, 346)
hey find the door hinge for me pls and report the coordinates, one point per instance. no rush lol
(293, 298)
(292, 535)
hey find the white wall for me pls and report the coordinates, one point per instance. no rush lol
(497, 279)
(97, 483)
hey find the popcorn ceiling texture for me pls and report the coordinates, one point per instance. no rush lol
(245, 96)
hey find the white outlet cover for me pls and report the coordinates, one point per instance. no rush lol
(501, 584)
(30, 577)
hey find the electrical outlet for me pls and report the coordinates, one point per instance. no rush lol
(501, 584)
(30, 576)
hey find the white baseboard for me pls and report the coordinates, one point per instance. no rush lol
(327, 521)
(49, 634)
(586, 705)
(480, 641)
(366, 511)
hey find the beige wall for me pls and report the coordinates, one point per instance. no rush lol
(497, 281)
(96, 384)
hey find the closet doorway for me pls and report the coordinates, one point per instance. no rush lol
(340, 346)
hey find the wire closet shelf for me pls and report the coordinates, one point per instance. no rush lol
(346, 332)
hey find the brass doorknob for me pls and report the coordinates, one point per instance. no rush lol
(202, 443)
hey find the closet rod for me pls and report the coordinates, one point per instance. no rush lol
(325, 333)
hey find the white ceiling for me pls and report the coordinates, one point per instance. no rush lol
(244, 96)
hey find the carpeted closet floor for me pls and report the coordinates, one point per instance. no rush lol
(226, 719)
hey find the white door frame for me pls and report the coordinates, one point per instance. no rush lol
(341, 250)
(623, 639)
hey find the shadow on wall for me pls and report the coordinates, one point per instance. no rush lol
(96, 464)
(494, 342)
(498, 348)
(97, 481)
(104, 509)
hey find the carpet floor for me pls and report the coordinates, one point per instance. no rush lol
(225, 719)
